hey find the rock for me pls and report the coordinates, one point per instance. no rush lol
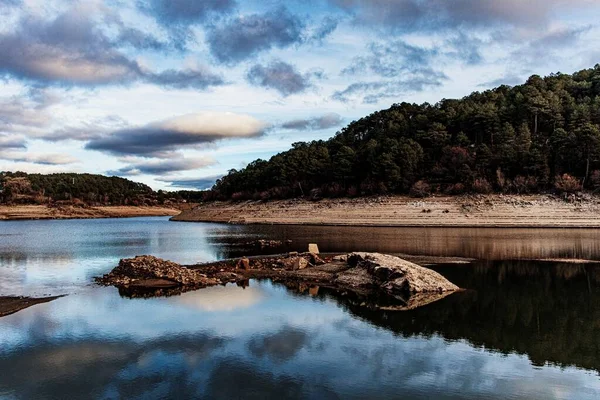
(294, 263)
(151, 271)
(243, 263)
(264, 244)
(315, 259)
(300, 263)
(313, 248)
(342, 258)
(397, 276)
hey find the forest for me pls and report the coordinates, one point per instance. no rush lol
(84, 189)
(541, 136)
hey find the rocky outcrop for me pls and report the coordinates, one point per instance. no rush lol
(405, 284)
(398, 276)
(155, 272)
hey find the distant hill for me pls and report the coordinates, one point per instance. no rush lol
(543, 135)
(23, 188)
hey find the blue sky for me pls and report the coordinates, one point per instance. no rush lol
(174, 93)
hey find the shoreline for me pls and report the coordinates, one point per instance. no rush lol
(478, 211)
(12, 305)
(41, 212)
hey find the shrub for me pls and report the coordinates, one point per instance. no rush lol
(333, 190)
(503, 183)
(457, 188)
(315, 195)
(265, 195)
(481, 185)
(238, 196)
(595, 180)
(420, 189)
(371, 187)
(352, 191)
(566, 183)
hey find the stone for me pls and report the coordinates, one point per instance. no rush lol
(397, 276)
(300, 263)
(153, 271)
(294, 263)
(315, 259)
(243, 263)
(313, 248)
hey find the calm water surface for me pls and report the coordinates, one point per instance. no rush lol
(523, 329)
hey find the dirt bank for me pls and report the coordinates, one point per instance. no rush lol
(11, 305)
(71, 212)
(476, 211)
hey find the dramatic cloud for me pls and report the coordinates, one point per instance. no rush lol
(191, 183)
(373, 92)
(245, 36)
(198, 79)
(10, 3)
(465, 48)
(406, 68)
(392, 58)
(25, 114)
(326, 28)
(87, 130)
(184, 131)
(543, 48)
(280, 76)
(12, 142)
(508, 79)
(184, 12)
(163, 167)
(72, 50)
(38, 158)
(415, 15)
(325, 121)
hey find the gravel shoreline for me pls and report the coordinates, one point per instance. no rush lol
(70, 212)
(536, 211)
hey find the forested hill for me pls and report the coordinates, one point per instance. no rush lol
(22, 188)
(543, 135)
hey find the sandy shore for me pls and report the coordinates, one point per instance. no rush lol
(45, 212)
(11, 305)
(464, 211)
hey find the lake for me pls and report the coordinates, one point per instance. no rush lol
(524, 328)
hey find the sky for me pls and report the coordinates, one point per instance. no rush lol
(175, 93)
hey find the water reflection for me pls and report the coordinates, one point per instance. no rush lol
(283, 345)
(549, 312)
(59, 257)
(523, 329)
(478, 243)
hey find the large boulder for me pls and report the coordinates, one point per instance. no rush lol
(397, 276)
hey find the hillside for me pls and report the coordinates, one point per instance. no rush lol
(539, 136)
(83, 189)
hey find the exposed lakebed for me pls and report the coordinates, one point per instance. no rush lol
(522, 329)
